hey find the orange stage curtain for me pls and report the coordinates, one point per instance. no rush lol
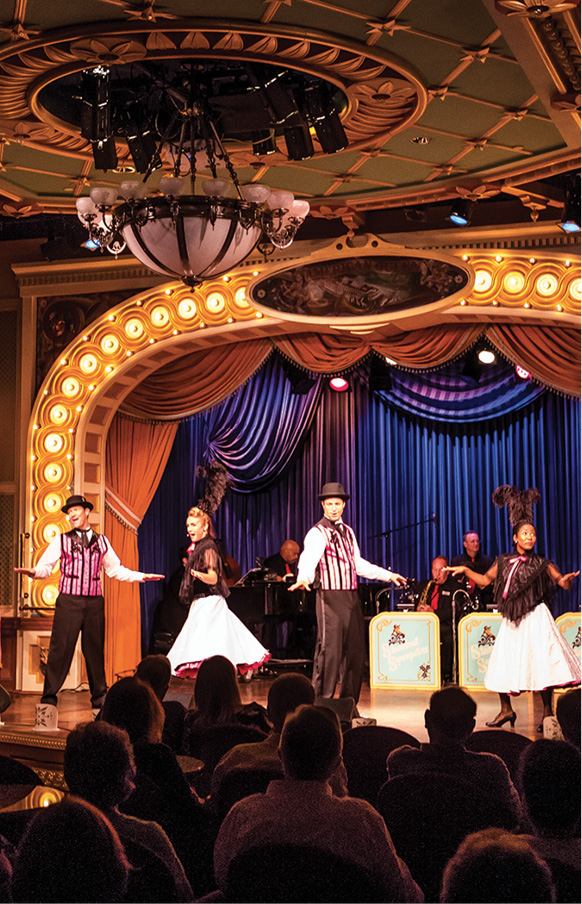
(551, 355)
(325, 353)
(200, 380)
(197, 381)
(429, 347)
(136, 457)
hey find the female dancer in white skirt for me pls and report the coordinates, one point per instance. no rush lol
(211, 627)
(530, 653)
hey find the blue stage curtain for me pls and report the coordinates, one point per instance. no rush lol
(447, 395)
(399, 468)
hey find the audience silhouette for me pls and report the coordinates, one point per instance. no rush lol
(301, 809)
(70, 852)
(495, 866)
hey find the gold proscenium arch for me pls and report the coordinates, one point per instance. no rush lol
(85, 386)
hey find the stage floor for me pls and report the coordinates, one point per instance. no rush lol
(397, 708)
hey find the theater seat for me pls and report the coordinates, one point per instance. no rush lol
(365, 751)
(297, 873)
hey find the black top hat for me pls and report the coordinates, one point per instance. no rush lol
(334, 490)
(76, 500)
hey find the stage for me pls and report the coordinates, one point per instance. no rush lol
(402, 709)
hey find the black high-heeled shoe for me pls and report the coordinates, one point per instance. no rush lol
(501, 720)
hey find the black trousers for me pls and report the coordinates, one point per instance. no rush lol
(340, 649)
(74, 614)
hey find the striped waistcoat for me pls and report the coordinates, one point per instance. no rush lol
(337, 566)
(80, 567)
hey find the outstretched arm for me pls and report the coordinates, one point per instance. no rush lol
(481, 580)
(564, 581)
(30, 572)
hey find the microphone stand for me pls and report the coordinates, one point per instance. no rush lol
(393, 530)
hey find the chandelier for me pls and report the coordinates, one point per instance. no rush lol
(178, 232)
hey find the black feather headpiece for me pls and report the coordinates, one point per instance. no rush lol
(217, 483)
(519, 503)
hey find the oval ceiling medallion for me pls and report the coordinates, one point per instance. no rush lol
(374, 286)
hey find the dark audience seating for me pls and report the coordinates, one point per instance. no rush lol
(297, 873)
(428, 816)
(506, 744)
(238, 784)
(13, 772)
(365, 751)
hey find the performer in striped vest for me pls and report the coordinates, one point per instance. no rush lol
(331, 561)
(80, 606)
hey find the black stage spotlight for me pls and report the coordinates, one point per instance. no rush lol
(277, 98)
(301, 381)
(472, 368)
(570, 219)
(461, 212)
(324, 117)
(96, 103)
(142, 146)
(299, 143)
(104, 154)
(380, 379)
(280, 101)
(264, 142)
(477, 360)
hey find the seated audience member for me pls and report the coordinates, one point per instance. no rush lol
(283, 564)
(496, 866)
(70, 852)
(99, 767)
(549, 780)
(301, 809)
(286, 693)
(436, 595)
(568, 715)
(217, 701)
(162, 791)
(449, 721)
(156, 671)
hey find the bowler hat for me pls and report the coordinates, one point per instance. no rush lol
(333, 490)
(76, 500)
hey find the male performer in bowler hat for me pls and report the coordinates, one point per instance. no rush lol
(330, 549)
(80, 605)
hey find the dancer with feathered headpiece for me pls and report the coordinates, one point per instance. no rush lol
(530, 654)
(211, 628)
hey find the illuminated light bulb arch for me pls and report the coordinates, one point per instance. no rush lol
(512, 282)
(72, 388)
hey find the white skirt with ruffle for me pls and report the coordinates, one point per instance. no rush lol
(212, 629)
(531, 656)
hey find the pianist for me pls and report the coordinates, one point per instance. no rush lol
(283, 564)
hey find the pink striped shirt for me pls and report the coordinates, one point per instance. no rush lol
(337, 566)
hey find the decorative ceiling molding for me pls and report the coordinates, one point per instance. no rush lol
(384, 93)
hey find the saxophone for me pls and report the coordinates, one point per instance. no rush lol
(426, 594)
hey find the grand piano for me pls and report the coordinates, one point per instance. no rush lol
(283, 619)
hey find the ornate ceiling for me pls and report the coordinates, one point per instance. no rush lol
(470, 98)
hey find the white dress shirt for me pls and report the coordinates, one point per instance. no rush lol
(111, 562)
(313, 549)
